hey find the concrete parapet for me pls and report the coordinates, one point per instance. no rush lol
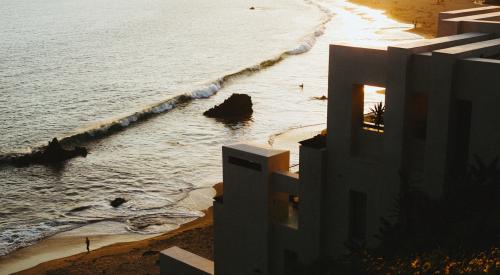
(287, 182)
(312, 181)
(175, 261)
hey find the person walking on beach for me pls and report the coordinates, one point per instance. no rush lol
(87, 241)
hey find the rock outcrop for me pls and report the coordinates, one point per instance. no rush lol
(117, 202)
(236, 107)
(53, 153)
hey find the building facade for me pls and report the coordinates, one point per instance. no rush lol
(441, 97)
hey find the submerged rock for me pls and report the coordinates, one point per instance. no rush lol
(237, 106)
(53, 153)
(118, 201)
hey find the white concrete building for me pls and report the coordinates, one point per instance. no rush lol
(442, 100)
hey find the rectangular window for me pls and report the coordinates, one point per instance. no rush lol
(373, 108)
(285, 209)
(245, 163)
(367, 120)
(357, 215)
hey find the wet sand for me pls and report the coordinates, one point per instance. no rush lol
(101, 234)
(137, 257)
(133, 256)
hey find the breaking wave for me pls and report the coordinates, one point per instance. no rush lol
(107, 128)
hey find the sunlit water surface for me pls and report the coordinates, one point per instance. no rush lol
(68, 65)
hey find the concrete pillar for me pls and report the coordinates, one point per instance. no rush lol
(438, 123)
(340, 103)
(312, 180)
(242, 220)
(396, 101)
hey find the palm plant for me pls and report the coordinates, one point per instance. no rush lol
(378, 111)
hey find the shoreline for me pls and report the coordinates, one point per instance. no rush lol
(101, 234)
(59, 246)
(131, 256)
(141, 254)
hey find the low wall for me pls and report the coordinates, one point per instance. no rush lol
(175, 261)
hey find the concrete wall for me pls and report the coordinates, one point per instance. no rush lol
(416, 76)
(348, 168)
(243, 219)
(430, 86)
(313, 162)
(480, 19)
(478, 82)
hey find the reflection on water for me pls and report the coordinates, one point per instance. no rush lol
(155, 164)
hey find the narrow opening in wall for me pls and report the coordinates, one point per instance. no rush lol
(367, 120)
(373, 108)
(357, 215)
(285, 209)
(245, 163)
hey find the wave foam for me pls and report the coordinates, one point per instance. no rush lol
(104, 129)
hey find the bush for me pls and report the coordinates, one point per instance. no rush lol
(456, 234)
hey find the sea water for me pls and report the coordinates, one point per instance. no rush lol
(76, 69)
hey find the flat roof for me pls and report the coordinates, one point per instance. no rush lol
(471, 47)
(482, 17)
(256, 149)
(440, 40)
(485, 8)
(190, 259)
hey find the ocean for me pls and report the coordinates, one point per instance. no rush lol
(130, 80)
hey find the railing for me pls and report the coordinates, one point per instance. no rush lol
(367, 125)
(372, 126)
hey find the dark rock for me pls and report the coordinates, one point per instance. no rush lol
(237, 106)
(53, 153)
(252, 8)
(117, 202)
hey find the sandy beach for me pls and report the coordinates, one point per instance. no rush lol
(128, 256)
(115, 250)
(102, 234)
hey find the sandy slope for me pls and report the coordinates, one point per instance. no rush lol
(424, 12)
